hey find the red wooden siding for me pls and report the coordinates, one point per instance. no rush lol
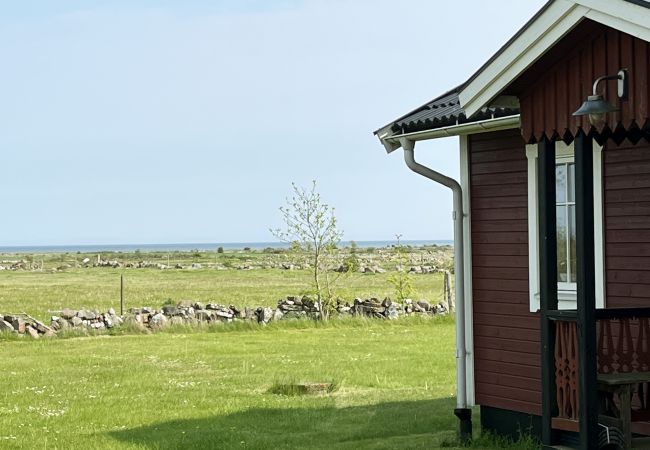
(556, 86)
(627, 224)
(506, 334)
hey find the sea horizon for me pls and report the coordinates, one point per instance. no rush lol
(198, 246)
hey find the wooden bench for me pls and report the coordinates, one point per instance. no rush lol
(621, 384)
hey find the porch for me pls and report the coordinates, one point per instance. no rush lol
(595, 368)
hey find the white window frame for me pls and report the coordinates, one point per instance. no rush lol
(566, 291)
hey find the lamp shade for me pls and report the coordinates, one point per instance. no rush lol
(595, 105)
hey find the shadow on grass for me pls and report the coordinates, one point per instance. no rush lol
(394, 425)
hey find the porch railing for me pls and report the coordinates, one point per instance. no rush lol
(623, 346)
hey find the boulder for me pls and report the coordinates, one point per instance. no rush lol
(32, 332)
(158, 320)
(6, 326)
(18, 324)
(425, 305)
(86, 315)
(264, 315)
(392, 312)
(203, 315)
(224, 314)
(68, 313)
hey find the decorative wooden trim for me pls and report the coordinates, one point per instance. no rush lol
(566, 370)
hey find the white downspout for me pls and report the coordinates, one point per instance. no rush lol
(462, 411)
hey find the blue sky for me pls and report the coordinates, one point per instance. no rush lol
(165, 121)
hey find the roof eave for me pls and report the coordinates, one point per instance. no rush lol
(391, 140)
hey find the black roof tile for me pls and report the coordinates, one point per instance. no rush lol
(444, 111)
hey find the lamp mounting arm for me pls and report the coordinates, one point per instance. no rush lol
(621, 84)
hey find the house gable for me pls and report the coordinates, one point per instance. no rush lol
(544, 31)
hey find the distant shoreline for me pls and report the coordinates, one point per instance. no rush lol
(184, 247)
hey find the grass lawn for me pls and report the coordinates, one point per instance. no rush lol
(36, 293)
(210, 389)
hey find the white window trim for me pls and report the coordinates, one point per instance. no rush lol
(566, 298)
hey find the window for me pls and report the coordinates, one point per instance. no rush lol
(566, 226)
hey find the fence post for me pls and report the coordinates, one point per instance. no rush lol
(121, 295)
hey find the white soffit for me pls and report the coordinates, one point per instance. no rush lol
(551, 26)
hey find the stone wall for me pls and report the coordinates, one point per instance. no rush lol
(195, 313)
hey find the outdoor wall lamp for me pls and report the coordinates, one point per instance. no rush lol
(595, 106)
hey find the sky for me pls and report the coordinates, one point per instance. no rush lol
(142, 121)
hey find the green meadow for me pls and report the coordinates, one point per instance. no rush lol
(36, 292)
(216, 387)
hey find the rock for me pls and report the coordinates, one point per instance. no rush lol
(76, 321)
(18, 324)
(135, 321)
(199, 305)
(203, 315)
(387, 302)
(424, 305)
(277, 315)
(68, 313)
(41, 327)
(86, 315)
(32, 332)
(85, 260)
(391, 312)
(224, 314)
(97, 325)
(117, 320)
(108, 322)
(264, 315)
(158, 320)
(6, 326)
(111, 312)
(196, 266)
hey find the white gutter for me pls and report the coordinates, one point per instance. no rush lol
(462, 411)
(393, 142)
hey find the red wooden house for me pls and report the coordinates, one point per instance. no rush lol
(552, 224)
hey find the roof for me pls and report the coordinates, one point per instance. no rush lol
(444, 111)
(473, 101)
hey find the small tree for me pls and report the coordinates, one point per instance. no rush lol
(310, 225)
(401, 280)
